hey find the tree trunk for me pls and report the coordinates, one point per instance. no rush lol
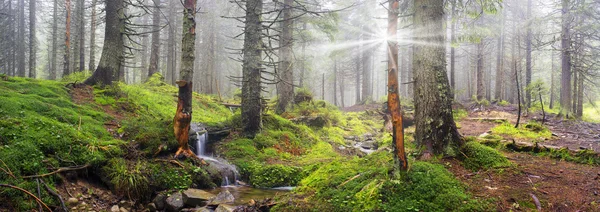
(52, 74)
(335, 67)
(367, 93)
(155, 49)
(404, 72)
(21, 41)
(169, 76)
(498, 88)
(81, 34)
(393, 101)
(112, 51)
(32, 40)
(92, 63)
(552, 83)
(528, 58)
(575, 87)
(435, 127)
(303, 64)
(565, 81)
(580, 90)
(479, 72)
(285, 85)
(358, 74)
(183, 116)
(144, 53)
(67, 53)
(452, 49)
(342, 90)
(252, 58)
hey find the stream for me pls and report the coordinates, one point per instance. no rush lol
(199, 139)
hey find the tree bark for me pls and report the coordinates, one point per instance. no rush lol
(528, 58)
(171, 63)
(552, 82)
(435, 127)
(357, 62)
(393, 101)
(155, 49)
(92, 63)
(67, 53)
(285, 85)
(367, 93)
(452, 49)
(32, 40)
(81, 34)
(21, 41)
(335, 93)
(52, 74)
(580, 90)
(144, 53)
(565, 81)
(112, 51)
(183, 116)
(479, 72)
(252, 65)
(498, 88)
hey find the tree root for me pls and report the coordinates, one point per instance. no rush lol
(51, 191)
(62, 169)
(28, 193)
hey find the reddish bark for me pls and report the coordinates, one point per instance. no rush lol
(183, 118)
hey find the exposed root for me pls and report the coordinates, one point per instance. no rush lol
(62, 169)
(28, 193)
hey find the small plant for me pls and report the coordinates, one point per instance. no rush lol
(128, 179)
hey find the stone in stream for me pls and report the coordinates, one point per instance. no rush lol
(175, 202)
(196, 197)
(223, 198)
(225, 208)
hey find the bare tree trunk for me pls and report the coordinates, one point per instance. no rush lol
(183, 116)
(169, 76)
(367, 93)
(32, 40)
(552, 83)
(21, 41)
(92, 64)
(452, 49)
(435, 127)
(52, 74)
(528, 58)
(479, 72)
(67, 55)
(518, 96)
(303, 64)
(342, 90)
(155, 49)
(144, 53)
(565, 82)
(285, 87)
(575, 88)
(393, 101)
(580, 90)
(357, 62)
(335, 67)
(81, 34)
(498, 88)
(252, 54)
(112, 52)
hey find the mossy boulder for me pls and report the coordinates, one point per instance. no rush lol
(478, 156)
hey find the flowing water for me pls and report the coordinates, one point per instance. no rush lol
(229, 172)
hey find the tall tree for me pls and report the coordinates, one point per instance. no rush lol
(183, 116)
(171, 62)
(155, 49)
(479, 71)
(367, 91)
(52, 74)
(81, 34)
(252, 65)
(500, 61)
(400, 161)
(452, 48)
(32, 40)
(528, 57)
(565, 81)
(112, 52)
(67, 53)
(21, 41)
(435, 127)
(92, 63)
(285, 83)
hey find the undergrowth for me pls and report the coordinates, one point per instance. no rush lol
(529, 131)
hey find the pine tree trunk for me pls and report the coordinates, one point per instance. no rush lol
(52, 74)
(435, 127)
(155, 49)
(112, 51)
(252, 58)
(498, 88)
(357, 62)
(183, 116)
(32, 40)
(285, 86)
(552, 83)
(565, 81)
(452, 49)
(342, 87)
(393, 101)
(67, 53)
(21, 41)
(335, 93)
(367, 94)
(81, 34)
(144, 53)
(580, 90)
(528, 58)
(479, 72)
(92, 64)
(171, 44)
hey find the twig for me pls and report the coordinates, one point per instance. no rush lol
(51, 191)
(536, 201)
(7, 170)
(28, 193)
(344, 183)
(62, 169)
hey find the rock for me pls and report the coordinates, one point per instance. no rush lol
(174, 203)
(203, 209)
(196, 197)
(151, 206)
(123, 210)
(223, 198)
(159, 201)
(311, 121)
(125, 204)
(369, 145)
(225, 208)
(72, 201)
(115, 208)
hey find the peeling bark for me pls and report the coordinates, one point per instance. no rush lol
(401, 163)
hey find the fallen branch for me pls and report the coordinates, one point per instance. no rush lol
(536, 201)
(28, 193)
(7, 170)
(344, 183)
(51, 191)
(62, 169)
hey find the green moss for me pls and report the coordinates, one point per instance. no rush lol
(584, 156)
(478, 156)
(459, 114)
(77, 77)
(128, 178)
(503, 103)
(530, 131)
(270, 176)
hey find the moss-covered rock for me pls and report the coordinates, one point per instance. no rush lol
(478, 156)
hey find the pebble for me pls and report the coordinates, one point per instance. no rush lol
(115, 208)
(72, 201)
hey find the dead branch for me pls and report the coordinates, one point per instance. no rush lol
(51, 191)
(344, 183)
(536, 201)
(7, 170)
(62, 169)
(28, 193)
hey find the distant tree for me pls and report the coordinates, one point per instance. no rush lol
(67, 53)
(32, 40)
(155, 49)
(435, 127)
(565, 82)
(112, 51)
(92, 64)
(21, 41)
(52, 74)
(285, 83)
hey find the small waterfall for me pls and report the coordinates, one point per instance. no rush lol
(227, 170)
